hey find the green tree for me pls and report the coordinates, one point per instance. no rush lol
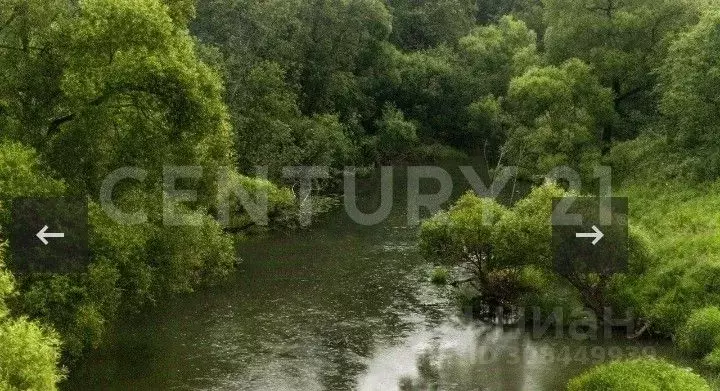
(118, 83)
(429, 23)
(29, 353)
(100, 85)
(464, 235)
(558, 116)
(496, 53)
(510, 254)
(689, 98)
(529, 11)
(624, 41)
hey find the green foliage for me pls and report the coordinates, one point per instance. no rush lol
(426, 24)
(158, 259)
(524, 234)
(22, 174)
(396, 136)
(523, 239)
(281, 203)
(464, 232)
(485, 121)
(638, 374)
(559, 114)
(529, 11)
(416, 81)
(680, 220)
(510, 253)
(712, 360)
(495, 53)
(474, 232)
(701, 333)
(133, 266)
(29, 357)
(688, 98)
(439, 275)
(463, 78)
(29, 353)
(120, 84)
(654, 160)
(94, 85)
(100, 85)
(272, 132)
(287, 62)
(624, 42)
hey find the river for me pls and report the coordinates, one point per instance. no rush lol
(336, 307)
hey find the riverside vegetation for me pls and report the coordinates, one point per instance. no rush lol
(89, 86)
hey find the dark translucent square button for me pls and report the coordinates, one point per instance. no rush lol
(590, 235)
(48, 235)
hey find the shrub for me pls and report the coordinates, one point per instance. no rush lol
(29, 353)
(464, 232)
(701, 332)
(463, 235)
(439, 276)
(643, 374)
(524, 234)
(28, 356)
(281, 205)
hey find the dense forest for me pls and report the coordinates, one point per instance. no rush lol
(90, 86)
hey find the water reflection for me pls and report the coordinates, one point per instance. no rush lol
(476, 356)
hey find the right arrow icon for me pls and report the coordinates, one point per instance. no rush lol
(598, 235)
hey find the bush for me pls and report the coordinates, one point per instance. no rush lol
(712, 360)
(439, 276)
(29, 353)
(464, 231)
(524, 234)
(701, 332)
(281, 205)
(29, 357)
(644, 374)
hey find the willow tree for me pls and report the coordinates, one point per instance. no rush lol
(558, 114)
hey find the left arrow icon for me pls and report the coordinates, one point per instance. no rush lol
(43, 235)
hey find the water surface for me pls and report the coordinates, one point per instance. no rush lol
(336, 307)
